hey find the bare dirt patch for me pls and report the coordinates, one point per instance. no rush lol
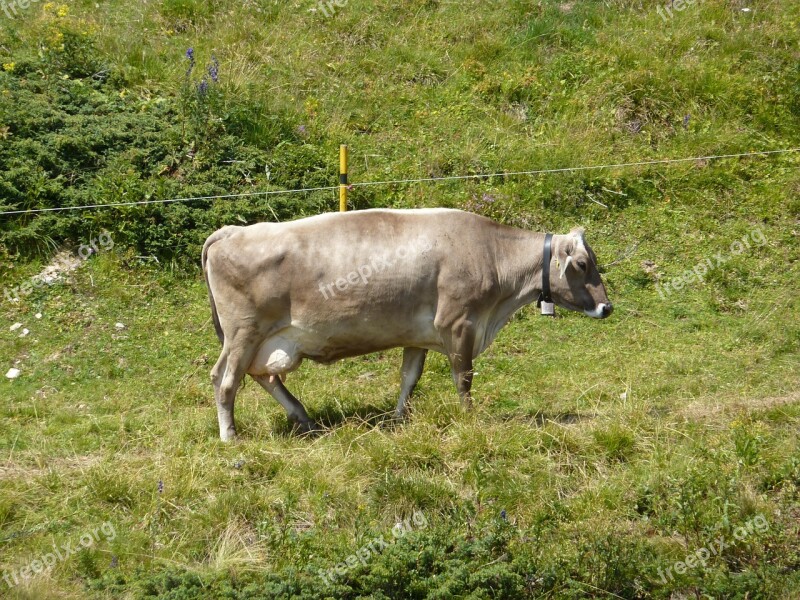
(29, 468)
(711, 408)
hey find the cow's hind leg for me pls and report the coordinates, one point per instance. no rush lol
(294, 409)
(227, 428)
(410, 372)
(226, 376)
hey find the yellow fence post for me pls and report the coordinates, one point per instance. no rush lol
(343, 178)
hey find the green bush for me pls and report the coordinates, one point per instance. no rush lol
(86, 141)
(496, 560)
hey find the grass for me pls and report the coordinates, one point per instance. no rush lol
(579, 424)
(599, 454)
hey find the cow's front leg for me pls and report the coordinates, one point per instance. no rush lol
(294, 408)
(410, 372)
(461, 368)
(459, 352)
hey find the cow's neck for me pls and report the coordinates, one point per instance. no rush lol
(519, 266)
(519, 274)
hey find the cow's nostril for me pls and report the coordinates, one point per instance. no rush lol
(607, 309)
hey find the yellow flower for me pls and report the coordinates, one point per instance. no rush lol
(311, 105)
(56, 40)
(8, 67)
(63, 10)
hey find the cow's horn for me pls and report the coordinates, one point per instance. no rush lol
(564, 266)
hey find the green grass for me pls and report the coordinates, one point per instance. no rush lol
(598, 455)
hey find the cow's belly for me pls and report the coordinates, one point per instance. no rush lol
(327, 342)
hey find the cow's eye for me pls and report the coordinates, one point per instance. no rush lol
(582, 265)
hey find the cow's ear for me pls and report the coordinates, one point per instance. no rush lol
(568, 245)
(579, 234)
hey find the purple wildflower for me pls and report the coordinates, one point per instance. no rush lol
(213, 69)
(686, 120)
(503, 515)
(160, 487)
(488, 198)
(202, 87)
(301, 129)
(190, 56)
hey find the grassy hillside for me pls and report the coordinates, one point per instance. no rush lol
(651, 455)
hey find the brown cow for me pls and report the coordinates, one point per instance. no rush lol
(345, 284)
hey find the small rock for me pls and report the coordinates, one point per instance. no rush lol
(119, 325)
(13, 373)
(366, 376)
(15, 326)
(38, 315)
(24, 332)
(623, 396)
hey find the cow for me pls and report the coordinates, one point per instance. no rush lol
(339, 285)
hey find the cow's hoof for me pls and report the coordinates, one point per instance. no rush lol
(307, 428)
(229, 437)
(399, 418)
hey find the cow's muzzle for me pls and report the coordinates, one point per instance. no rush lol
(601, 311)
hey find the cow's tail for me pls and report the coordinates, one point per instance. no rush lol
(218, 235)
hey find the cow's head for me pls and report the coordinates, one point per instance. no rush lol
(575, 282)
